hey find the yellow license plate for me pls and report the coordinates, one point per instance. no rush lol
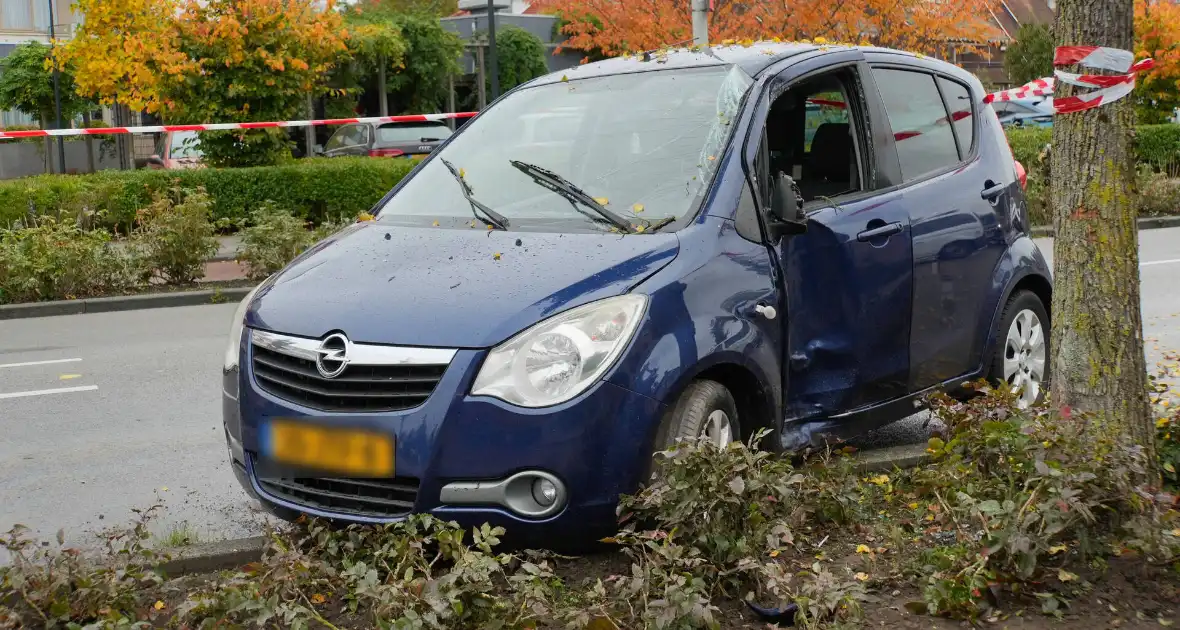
(346, 451)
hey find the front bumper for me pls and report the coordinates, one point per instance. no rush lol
(596, 445)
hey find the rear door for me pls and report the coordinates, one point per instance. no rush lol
(958, 236)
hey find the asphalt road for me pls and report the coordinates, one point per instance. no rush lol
(104, 413)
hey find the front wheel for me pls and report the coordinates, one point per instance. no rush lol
(1021, 358)
(707, 410)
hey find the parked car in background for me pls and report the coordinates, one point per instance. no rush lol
(176, 150)
(1031, 112)
(624, 254)
(404, 139)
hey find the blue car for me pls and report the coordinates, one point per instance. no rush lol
(530, 315)
(1028, 112)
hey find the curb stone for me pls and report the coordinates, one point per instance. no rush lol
(1149, 223)
(214, 556)
(122, 303)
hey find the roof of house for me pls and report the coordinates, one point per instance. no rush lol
(1009, 15)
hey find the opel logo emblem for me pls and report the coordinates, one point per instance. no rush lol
(332, 355)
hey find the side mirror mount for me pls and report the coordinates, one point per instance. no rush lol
(786, 208)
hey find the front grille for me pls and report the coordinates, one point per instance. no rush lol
(359, 388)
(380, 498)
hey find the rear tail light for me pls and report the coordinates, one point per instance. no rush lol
(386, 153)
(1021, 175)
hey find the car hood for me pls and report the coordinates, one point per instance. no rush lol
(452, 288)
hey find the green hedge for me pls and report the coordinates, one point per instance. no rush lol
(1157, 145)
(317, 189)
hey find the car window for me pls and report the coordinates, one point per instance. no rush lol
(822, 108)
(958, 101)
(645, 144)
(811, 135)
(184, 146)
(407, 133)
(346, 136)
(921, 129)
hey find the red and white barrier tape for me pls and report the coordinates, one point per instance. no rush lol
(1106, 88)
(104, 131)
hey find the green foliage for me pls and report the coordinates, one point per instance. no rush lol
(419, 573)
(275, 237)
(748, 495)
(317, 189)
(176, 235)
(26, 84)
(520, 57)
(1020, 491)
(1159, 146)
(432, 56)
(53, 261)
(59, 588)
(1167, 445)
(1030, 56)
(1159, 194)
(431, 8)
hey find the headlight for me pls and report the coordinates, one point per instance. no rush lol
(235, 332)
(560, 357)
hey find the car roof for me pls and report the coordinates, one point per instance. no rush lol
(752, 57)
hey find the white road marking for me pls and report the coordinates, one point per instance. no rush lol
(46, 392)
(1146, 264)
(12, 365)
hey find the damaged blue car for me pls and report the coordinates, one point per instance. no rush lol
(693, 243)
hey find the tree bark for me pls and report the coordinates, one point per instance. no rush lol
(1097, 341)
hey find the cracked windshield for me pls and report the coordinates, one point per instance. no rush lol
(644, 146)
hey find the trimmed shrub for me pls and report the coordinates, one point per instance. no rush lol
(1159, 194)
(53, 261)
(176, 236)
(315, 189)
(1159, 146)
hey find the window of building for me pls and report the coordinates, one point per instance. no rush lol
(24, 15)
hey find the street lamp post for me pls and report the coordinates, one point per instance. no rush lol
(492, 61)
(61, 145)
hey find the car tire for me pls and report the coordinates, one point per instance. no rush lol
(1021, 356)
(705, 408)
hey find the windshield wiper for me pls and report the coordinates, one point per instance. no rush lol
(491, 217)
(567, 189)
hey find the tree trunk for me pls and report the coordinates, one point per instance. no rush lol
(1097, 342)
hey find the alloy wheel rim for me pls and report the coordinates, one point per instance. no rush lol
(718, 430)
(1024, 357)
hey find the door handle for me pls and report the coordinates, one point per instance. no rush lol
(884, 231)
(993, 190)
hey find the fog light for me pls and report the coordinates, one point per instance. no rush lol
(544, 492)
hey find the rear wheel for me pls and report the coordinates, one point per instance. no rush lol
(707, 410)
(1021, 358)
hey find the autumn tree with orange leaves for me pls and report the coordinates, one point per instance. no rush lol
(195, 61)
(1157, 35)
(617, 26)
